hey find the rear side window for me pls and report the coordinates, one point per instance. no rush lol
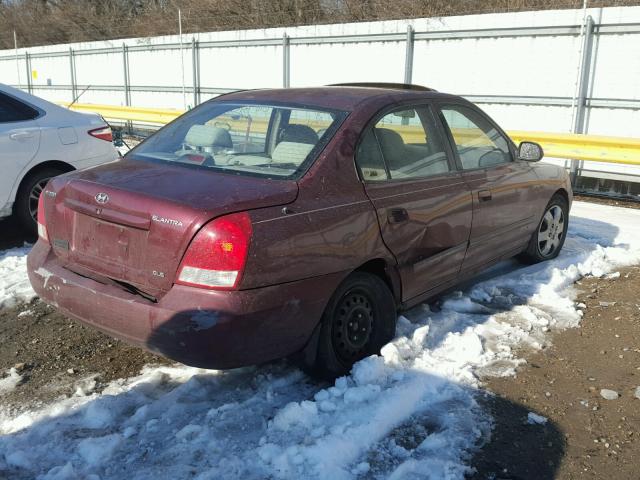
(276, 141)
(407, 145)
(12, 110)
(478, 142)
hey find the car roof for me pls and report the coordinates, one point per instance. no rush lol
(29, 99)
(339, 97)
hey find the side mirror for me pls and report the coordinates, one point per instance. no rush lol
(530, 152)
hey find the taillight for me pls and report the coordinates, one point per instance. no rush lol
(42, 224)
(103, 133)
(218, 253)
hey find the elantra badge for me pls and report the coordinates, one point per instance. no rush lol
(167, 221)
(102, 198)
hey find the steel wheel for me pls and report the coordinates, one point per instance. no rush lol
(34, 196)
(359, 319)
(353, 326)
(551, 231)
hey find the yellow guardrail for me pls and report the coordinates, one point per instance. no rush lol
(557, 145)
(133, 114)
(584, 147)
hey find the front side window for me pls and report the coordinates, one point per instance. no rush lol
(12, 110)
(478, 142)
(403, 144)
(264, 140)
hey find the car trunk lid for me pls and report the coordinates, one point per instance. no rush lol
(132, 221)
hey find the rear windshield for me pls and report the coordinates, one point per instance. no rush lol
(277, 141)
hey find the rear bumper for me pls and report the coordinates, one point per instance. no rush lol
(203, 328)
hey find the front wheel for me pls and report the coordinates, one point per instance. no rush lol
(358, 321)
(547, 240)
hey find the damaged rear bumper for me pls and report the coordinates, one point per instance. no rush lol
(198, 327)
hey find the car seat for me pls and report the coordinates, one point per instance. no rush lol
(298, 134)
(393, 148)
(207, 138)
(291, 152)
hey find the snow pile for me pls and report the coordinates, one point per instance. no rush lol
(409, 413)
(535, 419)
(8, 383)
(14, 284)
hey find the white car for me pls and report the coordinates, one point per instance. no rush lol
(39, 140)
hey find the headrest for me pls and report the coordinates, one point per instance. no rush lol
(389, 138)
(299, 134)
(291, 152)
(208, 136)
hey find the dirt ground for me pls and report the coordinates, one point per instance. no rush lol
(56, 356)
(614, 202)
(586, 435)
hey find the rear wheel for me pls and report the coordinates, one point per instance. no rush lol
(26, 208)
(548, 239)
(358, 321)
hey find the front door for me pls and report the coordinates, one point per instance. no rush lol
(421, 200)
(503, 213)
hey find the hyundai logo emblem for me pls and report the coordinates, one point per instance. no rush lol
(102, 198)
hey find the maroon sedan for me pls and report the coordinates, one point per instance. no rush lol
(271, 222)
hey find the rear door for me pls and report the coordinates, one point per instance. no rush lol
(19, 141)
(503, 210)
(422, 203)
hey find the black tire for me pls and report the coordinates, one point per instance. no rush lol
(541, 250)
(28, 195)
(363, 310)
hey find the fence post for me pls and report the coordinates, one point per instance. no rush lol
(27, 62)
(195, 62)
(286, 59)
(125, 65)
(408, 59)
(583, 91)
(72, 67)
(127, 89)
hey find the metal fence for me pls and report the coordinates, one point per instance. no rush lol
(580, 103)
(196, 89)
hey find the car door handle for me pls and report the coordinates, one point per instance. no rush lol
(397, 215)
(484, 195)
(20, 135)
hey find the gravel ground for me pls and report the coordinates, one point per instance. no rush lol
(56, 355)
(614, 202)
(586, 435)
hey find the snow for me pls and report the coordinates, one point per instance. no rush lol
(14, 284)
(10, 381)
(274, 422)
(535, 419)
